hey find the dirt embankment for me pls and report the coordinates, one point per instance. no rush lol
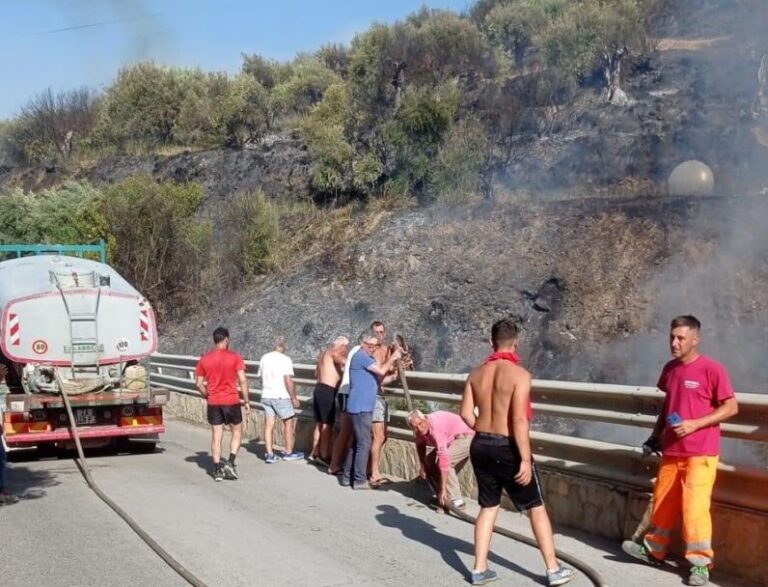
(593, 284)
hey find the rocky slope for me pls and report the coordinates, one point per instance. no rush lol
(593, 284)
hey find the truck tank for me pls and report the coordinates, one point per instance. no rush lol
(73, 324)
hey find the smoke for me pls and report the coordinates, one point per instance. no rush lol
(147, 36)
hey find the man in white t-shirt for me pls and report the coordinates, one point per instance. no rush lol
(278, 396)
(344, 437)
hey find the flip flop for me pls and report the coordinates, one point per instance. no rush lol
(379, 482)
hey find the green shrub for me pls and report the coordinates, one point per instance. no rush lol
(305, 86)
(324, 132)
(159, 244)
(252, 222)
(267, 72)
(245, 112)
(69, 214)
(144, 103)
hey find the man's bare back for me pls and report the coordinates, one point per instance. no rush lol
(328, 369)
(500, 390)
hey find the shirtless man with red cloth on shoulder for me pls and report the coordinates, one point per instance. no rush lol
(499, 390)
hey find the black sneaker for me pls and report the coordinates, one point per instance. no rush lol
(230, 471)
(218, 473)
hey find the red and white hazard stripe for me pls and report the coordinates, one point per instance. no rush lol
(144, 325)
(14, 330)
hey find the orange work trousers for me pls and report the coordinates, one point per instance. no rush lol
(683, 489)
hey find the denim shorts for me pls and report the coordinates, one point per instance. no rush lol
(381, 411)
(282, 408)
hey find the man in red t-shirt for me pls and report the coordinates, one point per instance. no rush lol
(699, 396)
(218, 374)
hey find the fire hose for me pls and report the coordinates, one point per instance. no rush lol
(591, 573)
(151, 542)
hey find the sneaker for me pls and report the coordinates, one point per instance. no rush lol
(483, 577)
(638, 551)
(699, 576)
(293, 456)
(271, 458)
(459, 504)
(560, 576)
(361, 486)
(343, 482)
(7, 498)
(230, 471)
(218, 473)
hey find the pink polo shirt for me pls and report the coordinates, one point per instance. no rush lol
(693, 391)
(444, 428)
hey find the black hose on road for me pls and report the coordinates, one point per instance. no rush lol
(591, 573)
(159, 550)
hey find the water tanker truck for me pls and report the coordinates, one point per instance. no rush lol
(74, 326)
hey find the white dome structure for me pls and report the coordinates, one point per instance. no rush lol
(691, 178)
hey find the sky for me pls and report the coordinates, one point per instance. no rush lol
(65, 44)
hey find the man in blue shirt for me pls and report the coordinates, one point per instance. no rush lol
(365, 373)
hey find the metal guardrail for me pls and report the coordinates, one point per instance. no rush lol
(615, 464)
(21, 250)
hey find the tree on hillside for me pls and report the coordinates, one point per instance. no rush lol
(336, 57)
(411, 140)
(245, 112)
(49, 126)
(143, 103)
(304, 87)
(160, 244)
(325, 132)
(196, 121)
(515, 23)
(598, 33)
(268, 72)
(447, 47)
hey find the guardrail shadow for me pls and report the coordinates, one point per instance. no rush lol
(446, 545)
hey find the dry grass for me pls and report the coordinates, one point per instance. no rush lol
(670, 44)
(311, 232)
(638, 186)
(86, 158)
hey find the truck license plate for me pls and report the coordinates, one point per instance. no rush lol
(85, 416)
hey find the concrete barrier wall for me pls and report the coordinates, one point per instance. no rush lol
(587, 504)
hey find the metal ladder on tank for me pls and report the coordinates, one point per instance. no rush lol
(78, 363)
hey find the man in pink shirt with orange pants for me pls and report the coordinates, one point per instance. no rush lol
(699, 396)
(451, 438)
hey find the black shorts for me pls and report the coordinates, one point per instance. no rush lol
(341, 401)
(218, 415)
(496, 461)
(324, 403)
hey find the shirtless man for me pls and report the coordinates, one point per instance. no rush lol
(499, 390)
(330, 364)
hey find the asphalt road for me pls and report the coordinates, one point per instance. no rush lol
(282, 524)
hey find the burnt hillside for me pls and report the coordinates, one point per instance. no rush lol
(574, 234)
